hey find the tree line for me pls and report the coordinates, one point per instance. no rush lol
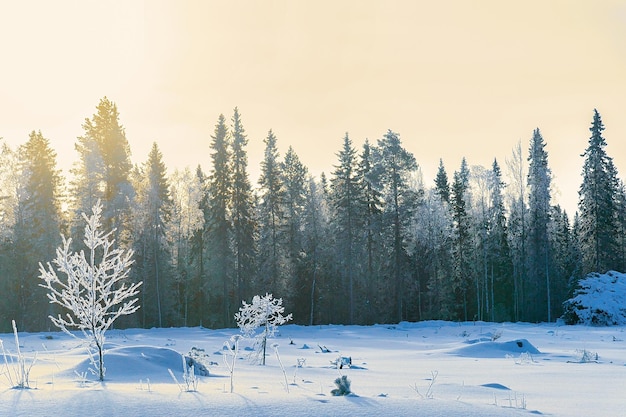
(369, 243)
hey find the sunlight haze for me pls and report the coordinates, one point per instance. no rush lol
(454, 78)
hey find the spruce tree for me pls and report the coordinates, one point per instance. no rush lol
(538, 234)
(243, 218)
(316, 234)
(597, 204)
(393, 166)
(219, 225)
(347, 204)
(37, 227)
(294, 179)
(103, 172)
(500, 263)
(372, 233)
(441, 183)
(461, 240)
(151, 215)
(271, 219)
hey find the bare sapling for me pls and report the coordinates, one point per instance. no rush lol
(275, 347)
(233, 351)
(17, 370)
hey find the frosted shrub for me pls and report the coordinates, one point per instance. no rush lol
(343, 386)
(95, 288)
(265, 313)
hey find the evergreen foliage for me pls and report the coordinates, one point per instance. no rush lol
(151, 215)
(598, 204)
(219, 224)
(37, 227)
(539, 254)
(103, 171)
(242, 209)
(369, 243)
(271, 218)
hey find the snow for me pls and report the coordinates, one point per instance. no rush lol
(430, 368)
(599, 299)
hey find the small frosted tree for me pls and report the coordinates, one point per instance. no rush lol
(265, 313)
(94, 288)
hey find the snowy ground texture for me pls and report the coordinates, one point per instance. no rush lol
(410, 369)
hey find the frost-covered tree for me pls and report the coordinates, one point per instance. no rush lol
(186, 220)
(93, 289)
(265, 313)
(517, 226)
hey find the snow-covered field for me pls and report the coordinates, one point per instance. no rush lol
(416, 369)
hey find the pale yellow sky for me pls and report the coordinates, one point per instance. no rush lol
(454, 78)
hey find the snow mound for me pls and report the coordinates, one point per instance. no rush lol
(496, 349)
(599, 300)
(136, 363)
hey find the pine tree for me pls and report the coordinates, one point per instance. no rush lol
(500, 262)
(37, 226)
(372, 233)
(461, 243)
(219, 225)
(597, 204)
(294, 179)
(441, 183)
(103, 171)
(562, 260)
(392, 168)
(244, 222)
(198, 251)
(9, 277)
(315, 239)
(271, 218)
(347, 204)
(538, 235)
(151, 215)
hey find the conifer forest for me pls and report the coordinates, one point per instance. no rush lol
(367, 242)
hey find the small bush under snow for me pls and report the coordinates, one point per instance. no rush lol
(599, 300)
